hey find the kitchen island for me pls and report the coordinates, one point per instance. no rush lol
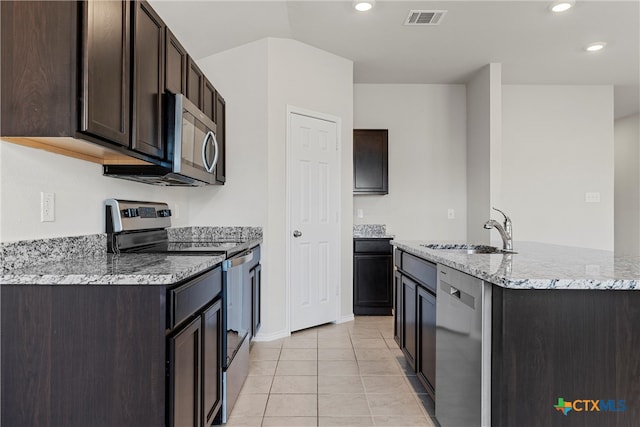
(559, 335)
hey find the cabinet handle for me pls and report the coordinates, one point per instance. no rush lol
(210, 136)
(297, 233)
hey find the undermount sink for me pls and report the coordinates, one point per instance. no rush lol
(468, 249)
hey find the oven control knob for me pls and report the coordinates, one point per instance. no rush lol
(164, 213)
(130, 213)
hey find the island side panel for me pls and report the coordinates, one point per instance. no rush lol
(83, 355)
(570, 344)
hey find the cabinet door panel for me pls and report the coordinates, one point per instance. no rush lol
(38, 68)
(175, 65)
(185, 376)
(370, 161)
(195, 82)
(149, 81)
(106, 85)
(397, 307)
(209, 100)
(427, 338)
(212, 361)
(372, 275)
(409, 317)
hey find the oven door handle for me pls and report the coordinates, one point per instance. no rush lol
(237, 261)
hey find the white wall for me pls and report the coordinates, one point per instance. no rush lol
(306, 77)
(627, 185)
(484, 142)
(258, 81)
(427, 149)
(240, 75)
(25, 172)
(557, 145)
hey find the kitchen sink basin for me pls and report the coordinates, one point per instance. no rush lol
(468, 249)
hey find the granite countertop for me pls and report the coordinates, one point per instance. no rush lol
(371, 231)
(539, 266)
(110, 269)
(82, 260)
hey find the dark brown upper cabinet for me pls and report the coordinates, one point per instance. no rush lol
(106, 85)
(176, 57)
(370, 161)
(195, 83)
(209, 100)
(38, 68)
(149, 81)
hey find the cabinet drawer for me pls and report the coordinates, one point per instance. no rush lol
(423, 271)
(187, 299)
(378, 246)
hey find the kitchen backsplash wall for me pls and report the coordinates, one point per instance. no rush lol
(80, 191)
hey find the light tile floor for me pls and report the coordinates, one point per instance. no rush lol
(351, 374)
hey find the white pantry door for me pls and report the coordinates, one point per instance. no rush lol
(314, 233)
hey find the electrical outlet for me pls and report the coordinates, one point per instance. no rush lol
(47, 207)
(451, 213)
(360, 213)
(592, 197)
(176, 211)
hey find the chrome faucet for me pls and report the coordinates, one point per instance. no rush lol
(505, 231)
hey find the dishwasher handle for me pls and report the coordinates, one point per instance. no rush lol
(462, 296)
(237, 261)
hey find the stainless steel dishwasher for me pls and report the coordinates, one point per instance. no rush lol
(463, 350)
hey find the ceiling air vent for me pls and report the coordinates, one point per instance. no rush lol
(425, 17)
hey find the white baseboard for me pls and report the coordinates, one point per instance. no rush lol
(272, 336)
(345, 319)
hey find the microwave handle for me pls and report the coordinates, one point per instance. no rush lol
(209, 136)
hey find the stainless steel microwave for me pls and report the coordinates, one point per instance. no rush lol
(192, 149)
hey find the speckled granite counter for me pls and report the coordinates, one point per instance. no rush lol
(79, 260)
(109, 269)
(371, 231)
(539, 266)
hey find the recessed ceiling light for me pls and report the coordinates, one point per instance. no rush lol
(363, 6)
(561, 6)
(594, 47)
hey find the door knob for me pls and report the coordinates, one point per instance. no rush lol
(297, 233)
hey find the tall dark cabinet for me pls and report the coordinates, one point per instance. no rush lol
(370, 161)
(372, 276)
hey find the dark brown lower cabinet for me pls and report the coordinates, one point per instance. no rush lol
(426, 364)
(571, 344)
(372, 276)
(397, 307)
(409, 330)
(415, 315)
(212, 360)
(185, 376)
(111, 355)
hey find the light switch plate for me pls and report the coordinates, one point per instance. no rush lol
(451, 213)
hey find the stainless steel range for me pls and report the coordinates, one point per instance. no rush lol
(141, 227)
